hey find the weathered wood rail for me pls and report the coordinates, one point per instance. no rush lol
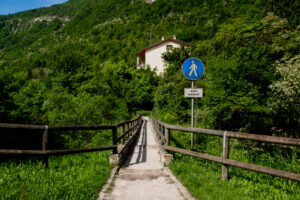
(163, 131)
(127, 128)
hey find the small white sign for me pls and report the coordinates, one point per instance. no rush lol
(193, 92)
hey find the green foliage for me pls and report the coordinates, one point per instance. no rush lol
(240, 62)
(136, 87)
(77, 176)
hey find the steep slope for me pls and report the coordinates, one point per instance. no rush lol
(58, 52)
(124, 22)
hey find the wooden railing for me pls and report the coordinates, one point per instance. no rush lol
(163, 131)
(127, 128)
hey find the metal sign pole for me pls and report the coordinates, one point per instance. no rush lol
(193, 69)
(192, 134)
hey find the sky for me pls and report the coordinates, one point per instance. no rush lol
(13, 6)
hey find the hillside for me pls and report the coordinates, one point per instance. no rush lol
(76, 54)
(75, 63)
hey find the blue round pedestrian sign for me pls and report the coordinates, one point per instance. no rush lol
(193, 68)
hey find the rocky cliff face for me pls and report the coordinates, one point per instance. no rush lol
(149, 1)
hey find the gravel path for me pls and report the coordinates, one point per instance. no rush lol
(143, 176)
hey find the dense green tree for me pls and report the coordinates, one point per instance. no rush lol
(240, 64)
(55, 59)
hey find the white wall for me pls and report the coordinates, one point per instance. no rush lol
(153, 56)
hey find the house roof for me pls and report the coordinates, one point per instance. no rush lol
(141, 53)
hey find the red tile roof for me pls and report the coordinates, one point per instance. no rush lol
(141, 53)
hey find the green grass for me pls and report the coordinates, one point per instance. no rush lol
(146, 113)
(203, 181)
(203, 178)
(78, 176)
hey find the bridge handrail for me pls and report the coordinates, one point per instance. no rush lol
(65, 127)
(239, 135)
(127, 128)
(163, 131)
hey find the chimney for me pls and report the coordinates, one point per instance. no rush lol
(162, 38)
(174, 37)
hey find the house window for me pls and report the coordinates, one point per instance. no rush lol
(169, 47)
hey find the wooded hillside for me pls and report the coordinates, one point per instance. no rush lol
(74, 63)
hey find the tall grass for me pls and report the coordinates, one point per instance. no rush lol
(78, 176)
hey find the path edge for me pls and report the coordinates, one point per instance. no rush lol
(182, 190)
(108, 183)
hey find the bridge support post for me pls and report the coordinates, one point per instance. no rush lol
(226, 156)
(167, 158)
(114, 159)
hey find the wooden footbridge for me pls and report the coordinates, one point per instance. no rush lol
(142, 146)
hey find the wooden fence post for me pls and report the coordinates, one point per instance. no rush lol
(115, 139)
(167, 135)
(134, 124)
(126, 129)
(160, 132)
(122, 131)
(159, 128)
(130, 126)
(225, 155)
(163, 133)
(45, 147)
(133, 127)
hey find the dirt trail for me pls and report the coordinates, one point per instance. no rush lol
(143, 176)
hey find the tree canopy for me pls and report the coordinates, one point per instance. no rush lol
(75, 63)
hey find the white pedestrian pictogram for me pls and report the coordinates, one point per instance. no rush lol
(193, 68)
